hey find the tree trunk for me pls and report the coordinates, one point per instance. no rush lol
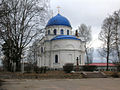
(108, 49)
(14, 67)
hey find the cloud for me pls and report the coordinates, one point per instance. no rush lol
(91, 12)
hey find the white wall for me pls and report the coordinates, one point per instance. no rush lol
(58, 28)
(67, 49)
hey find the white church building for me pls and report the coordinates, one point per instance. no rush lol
(59, 46)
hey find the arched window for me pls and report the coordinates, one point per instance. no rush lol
(48, 32)
(41, 49)
(62, 32)
(56, 58)
(67, 32)
(55, 31)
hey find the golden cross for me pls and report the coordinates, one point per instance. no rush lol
(58, 9)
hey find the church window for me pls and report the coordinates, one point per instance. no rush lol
(41, 49)
(48, 32)
(56, 58)
(62, 32)
(55, 31)
(67, 32)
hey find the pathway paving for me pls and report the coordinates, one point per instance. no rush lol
(63, 84)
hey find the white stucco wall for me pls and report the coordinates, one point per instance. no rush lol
(58, 28)
(67, 49)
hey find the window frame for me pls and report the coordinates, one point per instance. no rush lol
(42, 50)
(68, 32)
(62, 32)
(48, 32)
(56, 58)
(55, 31)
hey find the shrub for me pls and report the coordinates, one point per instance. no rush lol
(40, 69)
(36, 69)
(43, 69)
(118, 68)
(115, 75)
(28, 68)
(68, 67)
(89, 68)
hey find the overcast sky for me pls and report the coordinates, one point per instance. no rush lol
(89, 12)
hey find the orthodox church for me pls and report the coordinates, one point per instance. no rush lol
(59, 45)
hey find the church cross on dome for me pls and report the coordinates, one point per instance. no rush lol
(58, 9)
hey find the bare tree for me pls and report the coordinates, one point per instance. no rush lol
(106, 36)
(33, 52)
(90, 51)
(85, 34)
(20, 23)
(116, 27)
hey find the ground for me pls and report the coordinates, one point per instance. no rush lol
(62, 84)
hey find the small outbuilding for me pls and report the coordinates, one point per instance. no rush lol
(103, 66)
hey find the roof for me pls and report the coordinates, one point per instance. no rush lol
(58, 20)
(102, 64)
(59, 37)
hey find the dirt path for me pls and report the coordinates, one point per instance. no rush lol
(66, 84)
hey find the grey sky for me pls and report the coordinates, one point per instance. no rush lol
(89, 12)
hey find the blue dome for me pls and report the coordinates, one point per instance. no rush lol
(65, 37)
(58, 20)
